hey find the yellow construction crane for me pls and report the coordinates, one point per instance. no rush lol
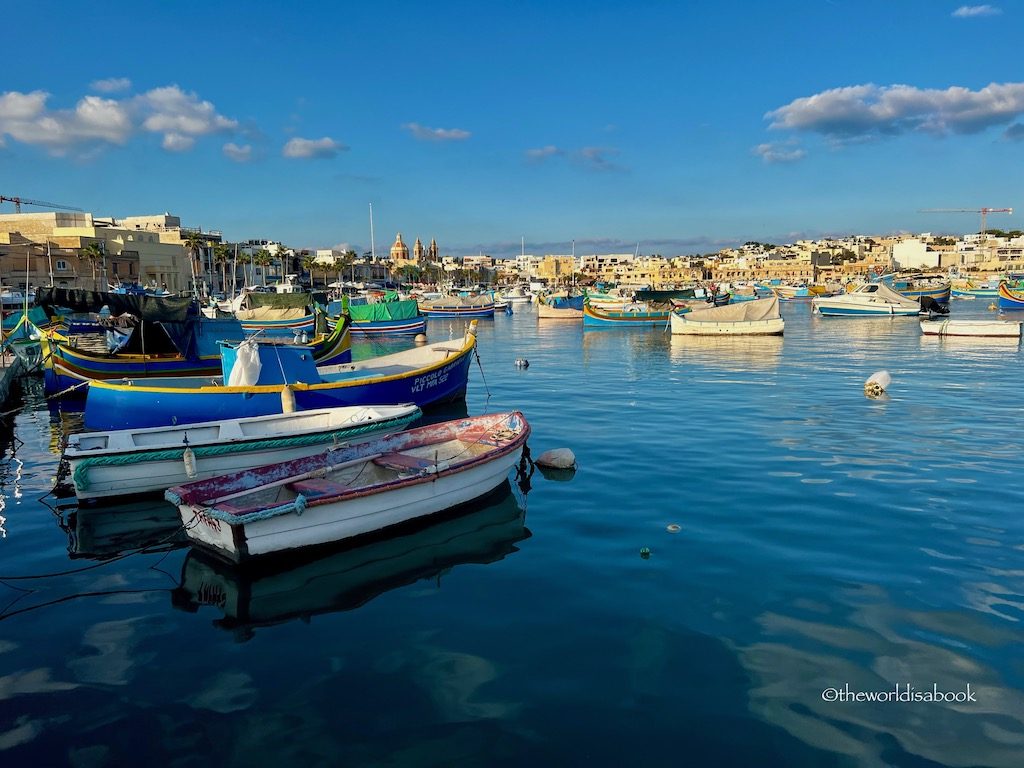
(983, 211)
(20, 201)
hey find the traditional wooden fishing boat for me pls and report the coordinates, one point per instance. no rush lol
(285, 378)
(384, 318)
(274, 590)
(1010, 298)
(935, 287)
(799, 292)
(869, 300)
(343, 493)
(458, 306)
(631, 316)
(570, 308)
(749, 318)
(108, 465)
(152, 352)
(981, 328)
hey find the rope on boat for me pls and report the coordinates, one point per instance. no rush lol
(298, 506)
(50, 397)
(81, 473)
(480, 365)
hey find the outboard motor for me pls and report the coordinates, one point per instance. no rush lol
(932, 307)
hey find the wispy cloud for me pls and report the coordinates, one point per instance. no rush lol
(779, 152)
(313, 149)
(423, 133)
(179, 116)
(597, 158)
(111, 85)
(970, 11)
(1015, 132)
(870, 111)
(540, 154)
(240, 154)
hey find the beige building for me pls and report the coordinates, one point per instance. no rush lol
(146, 250)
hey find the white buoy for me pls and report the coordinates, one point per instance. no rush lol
(557, 458)
(287, 400)
(877, 383)
(421, 338)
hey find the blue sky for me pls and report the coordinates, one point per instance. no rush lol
(681, 126)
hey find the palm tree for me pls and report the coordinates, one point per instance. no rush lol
(93, 254)
(262, 258)
(282, 255)
(222, 255)
(308, 265)
(346, 260)
(194, 244)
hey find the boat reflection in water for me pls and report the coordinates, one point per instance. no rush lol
(102, 532)
(731, 353)
(324, 581)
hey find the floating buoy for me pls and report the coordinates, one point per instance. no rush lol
(645, 552)
(287, 400)
(189, 458)
(673, 528)
(522, 362)
(558, 458)
(992, 306)
(877, 383)
(421, 338)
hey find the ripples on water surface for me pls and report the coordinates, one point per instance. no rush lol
(825, 540)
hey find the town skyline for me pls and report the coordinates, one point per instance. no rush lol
(668, 129)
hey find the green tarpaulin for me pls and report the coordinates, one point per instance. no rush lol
(385, 310)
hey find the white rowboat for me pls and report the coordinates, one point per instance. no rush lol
(128, 462)
(748, 318)
(348, 492)
(986, 328)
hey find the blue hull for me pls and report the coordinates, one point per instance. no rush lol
(409, 327)
(115, 406)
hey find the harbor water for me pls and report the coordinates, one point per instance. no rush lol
(753, 565)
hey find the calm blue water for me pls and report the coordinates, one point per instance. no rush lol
(826, 540)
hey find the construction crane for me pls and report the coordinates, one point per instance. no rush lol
(983, 211)
(19, 201)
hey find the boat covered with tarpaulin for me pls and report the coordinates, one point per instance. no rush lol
(275, 377)
(340, 494)
(390, 317)
(458, 306)
(759, 317)
(561, 308)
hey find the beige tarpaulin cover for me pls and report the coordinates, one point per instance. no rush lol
(271, 313)
(740, 312)
(887, 293)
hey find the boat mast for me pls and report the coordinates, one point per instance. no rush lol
(373, 250)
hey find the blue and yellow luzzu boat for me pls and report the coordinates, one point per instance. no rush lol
(920, 286)
(384, 318)
(630, 316)
(153, 352)
(1010, 298)
(286, 378)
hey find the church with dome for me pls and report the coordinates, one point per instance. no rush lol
(420, 256)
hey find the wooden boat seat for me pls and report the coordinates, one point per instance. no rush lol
(403, 462)
(318, 486)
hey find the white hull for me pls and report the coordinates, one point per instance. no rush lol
(107, 465)
(986, 328)
(686, 327)
(346, 518)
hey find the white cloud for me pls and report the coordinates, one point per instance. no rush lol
(313, 148)
(423, 133)
(111, 85)
(239, 154)
(543, 153)
(783, 152)
(969, 11)
(181, 117)
(175, 142)
(865, 111)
